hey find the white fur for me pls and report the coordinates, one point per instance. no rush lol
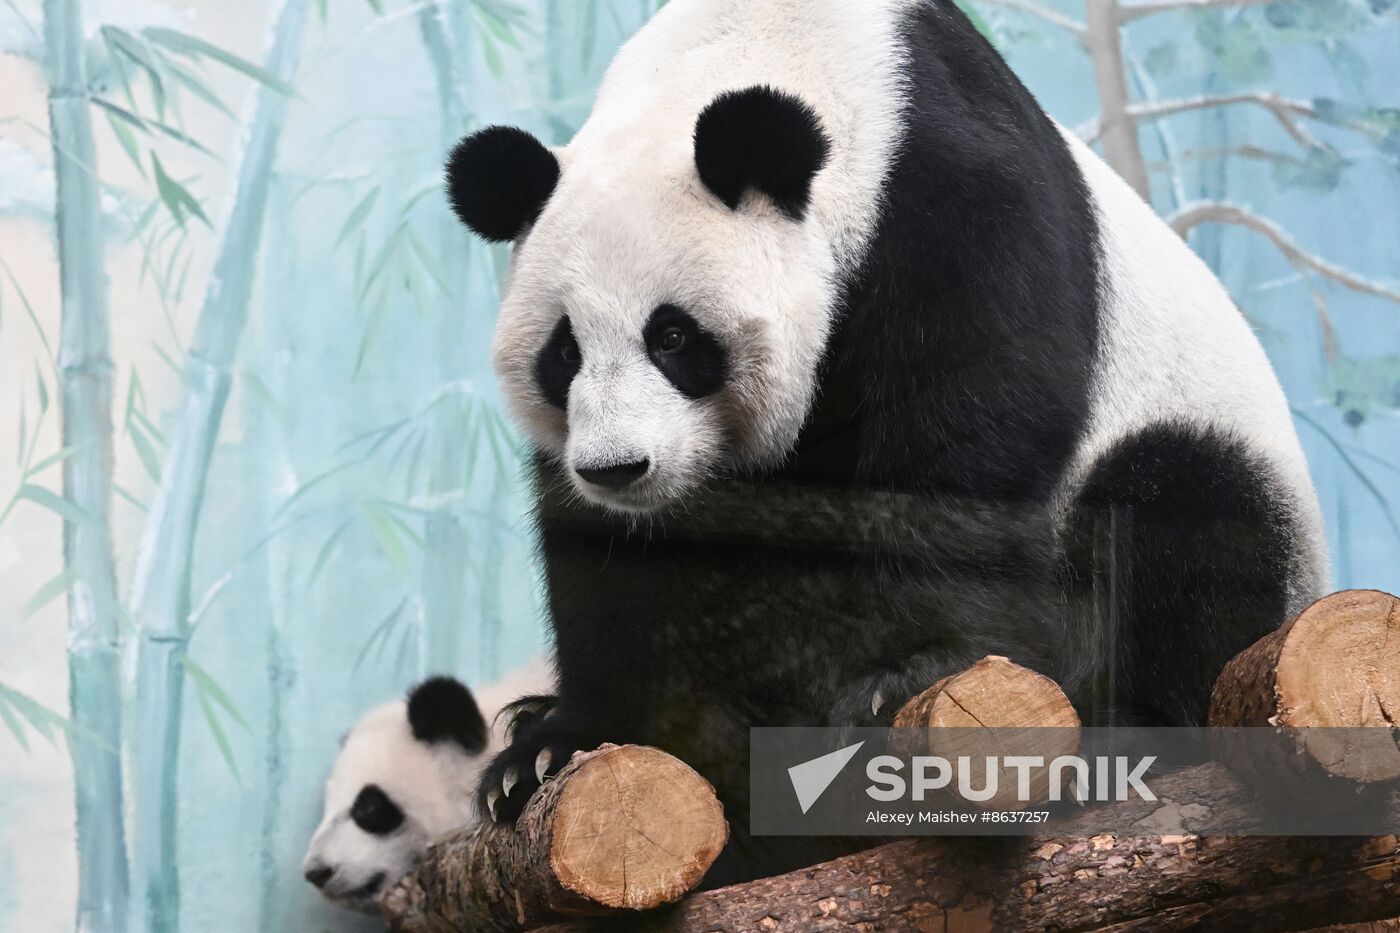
(1175, 347)
(631, 227)
(432, 784)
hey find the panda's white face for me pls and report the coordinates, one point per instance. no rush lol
(653, 338)
(388, 795)
(670, 294)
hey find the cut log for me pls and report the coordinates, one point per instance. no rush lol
(1029, 710)
(1165, 879)
(1329, 683)
(623, 828)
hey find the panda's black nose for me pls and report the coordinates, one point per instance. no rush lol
(616, 475)
(319, 875)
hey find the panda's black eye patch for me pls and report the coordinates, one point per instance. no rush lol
(687, 355)
(375, 813)
(558, 363)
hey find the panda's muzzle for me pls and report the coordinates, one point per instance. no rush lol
(615, 475)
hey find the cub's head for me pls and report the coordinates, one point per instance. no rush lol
(404, 776)
(670, 295)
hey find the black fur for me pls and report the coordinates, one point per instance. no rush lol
(697, 365)
(1196, 539)
(374, 812)
(443, 710)
(764, 140)
(499, 179)
(557, 364)
(910, 534)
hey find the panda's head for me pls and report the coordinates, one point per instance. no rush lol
(405, 775)
(670, 296)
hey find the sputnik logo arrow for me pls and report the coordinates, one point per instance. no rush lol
(811, 778)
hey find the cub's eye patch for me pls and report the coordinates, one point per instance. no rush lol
(558, 363)
(375, 813)
(686, 354)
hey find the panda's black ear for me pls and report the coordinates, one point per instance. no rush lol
(443, 710)
(762, 139)
(499, 179)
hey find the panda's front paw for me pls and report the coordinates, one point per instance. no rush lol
(539, 747)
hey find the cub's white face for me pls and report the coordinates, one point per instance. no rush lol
(387, 797)
(696, 333)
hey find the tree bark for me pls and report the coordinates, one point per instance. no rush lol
(1117, 128)
(161, 587)
(85, 372)
(623, 828)
(1166, 879)
(1329, 683)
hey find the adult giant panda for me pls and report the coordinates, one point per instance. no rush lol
(836, 246)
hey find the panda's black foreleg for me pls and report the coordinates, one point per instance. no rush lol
(542, 740)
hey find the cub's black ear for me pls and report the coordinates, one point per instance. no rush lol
(443, 710)
(499, 179)
(761, 139)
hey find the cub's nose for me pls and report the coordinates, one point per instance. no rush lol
(615, 475)
(319, 875)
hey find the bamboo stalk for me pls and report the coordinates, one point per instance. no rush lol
(161, 587)
(446, 552)
(85, 366)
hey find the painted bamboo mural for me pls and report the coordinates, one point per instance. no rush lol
(290, 443)
(446, 552)
(161, 585)
(85, 372)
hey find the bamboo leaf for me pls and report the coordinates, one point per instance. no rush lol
(191, 82)
(13, 724)
(40, 718)
(208, 685)
(220, 737)
(387, 535)
(177, 198)
(48, 593)
(128, 141)
(122, 492)
(49, 461)
(133, 49)
(324, 555)
(145, 451)
(194, 47)
(357, 216)
(64, 508)
(145, 125)
(43, 389)
(377, 6)
(380, 635)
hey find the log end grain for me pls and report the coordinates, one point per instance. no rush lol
(635, 829)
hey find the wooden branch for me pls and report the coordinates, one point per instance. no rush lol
(1166, 878)
(993, 694)
(1053, 17)
(623, 828)
(1127, 12)
(1194, 215)
(1329, 683)
(1285, 110)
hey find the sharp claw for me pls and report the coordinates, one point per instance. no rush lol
(876, 702)
(493, 799)
(511, 778)
(542, 762)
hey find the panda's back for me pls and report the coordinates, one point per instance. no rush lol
(1174, 349)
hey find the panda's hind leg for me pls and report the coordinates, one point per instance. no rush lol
(1193, 545)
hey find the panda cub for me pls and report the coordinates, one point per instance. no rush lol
(405, 776)
(846, 366)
